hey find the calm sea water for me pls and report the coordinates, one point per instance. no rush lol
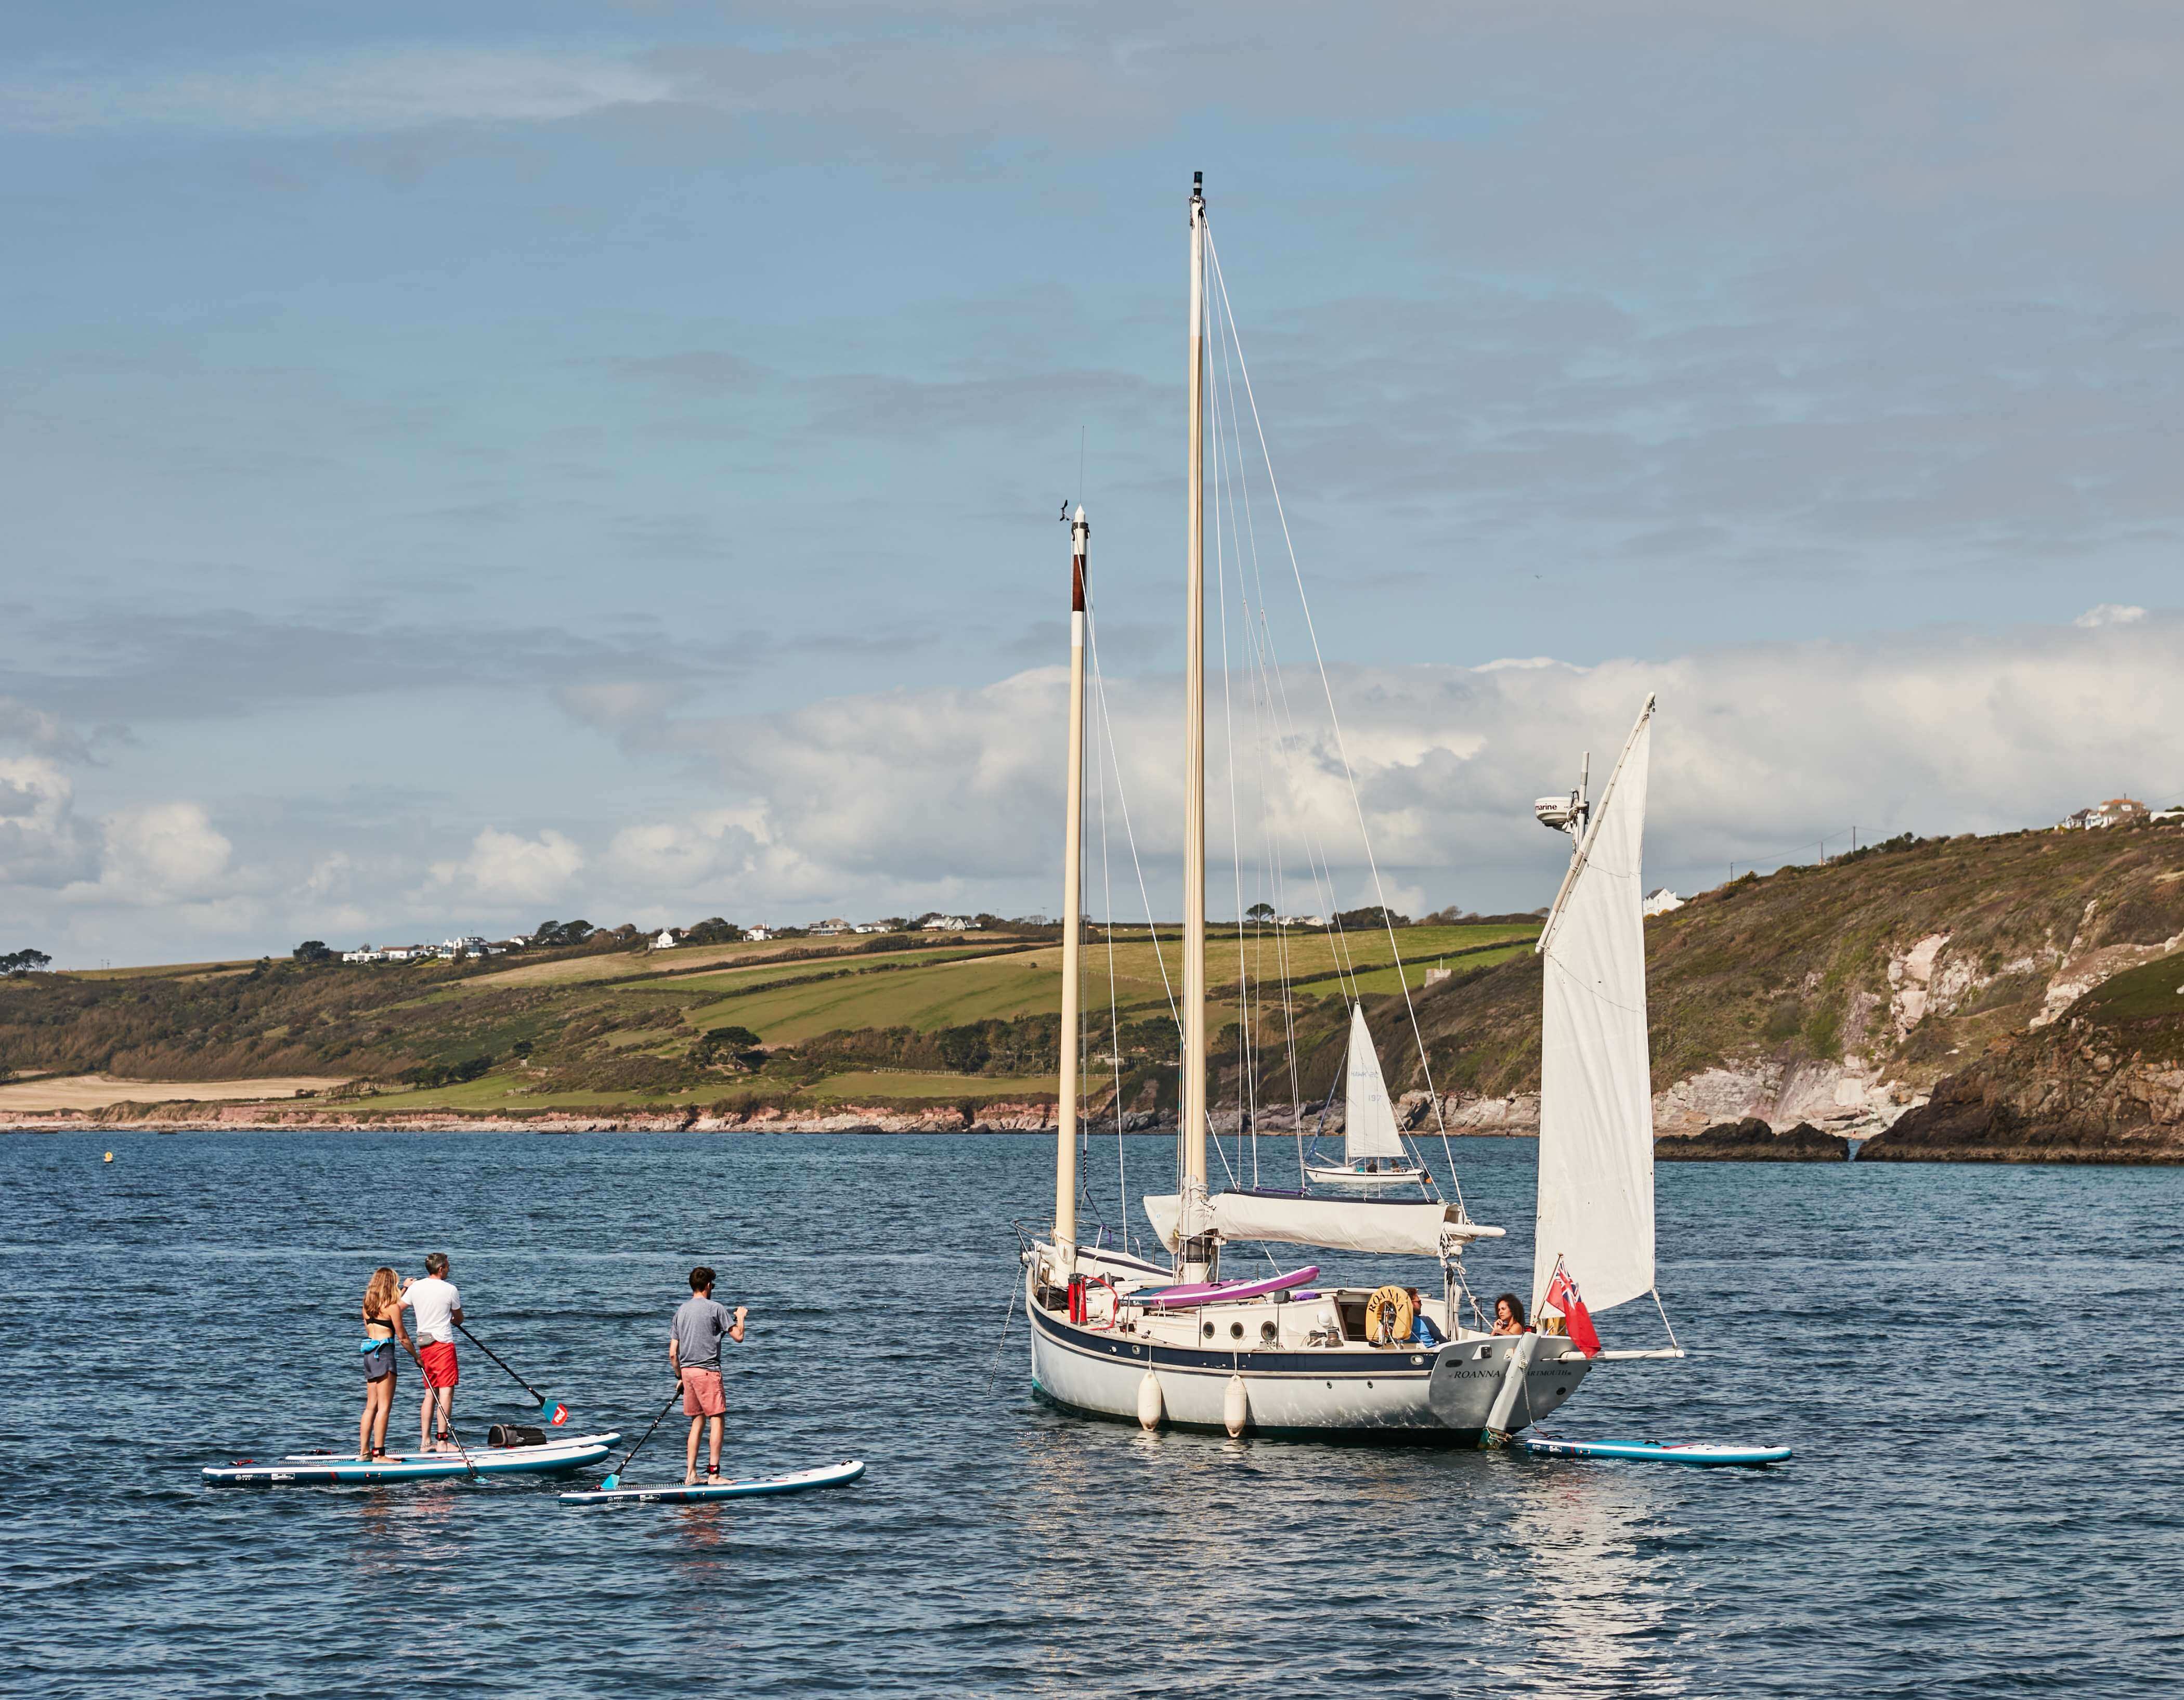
(1975, 1364)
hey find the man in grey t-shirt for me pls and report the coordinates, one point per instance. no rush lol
(693, 1353)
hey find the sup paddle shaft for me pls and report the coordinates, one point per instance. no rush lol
(554, 1413)
(614, 1477)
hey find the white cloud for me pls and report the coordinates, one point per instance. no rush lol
(1761, 751)
(2109, 614)
(385, 89)
(504, 868)
(42, 842)
(159, 853)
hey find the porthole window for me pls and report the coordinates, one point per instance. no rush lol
(1207, 1331)
(1235, 1331)
(1266, 1332)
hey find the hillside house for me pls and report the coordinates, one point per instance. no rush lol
(366, 954)
(1660, 900)
(469, 945)
(950, 924)
(761, 935)
(873, 927)
(2117, 811)
(667, 939)
(833, 927)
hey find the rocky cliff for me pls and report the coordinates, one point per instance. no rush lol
(1844, 995)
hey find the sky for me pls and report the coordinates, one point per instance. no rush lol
(465, 466)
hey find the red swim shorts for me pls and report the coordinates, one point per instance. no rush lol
(701, 1394)
(438, 1358)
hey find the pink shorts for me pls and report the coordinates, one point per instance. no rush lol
(701, 1394)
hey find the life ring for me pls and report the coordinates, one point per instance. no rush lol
(1388, 1314)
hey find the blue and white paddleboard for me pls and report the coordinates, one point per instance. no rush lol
(1652, 1451)
(826, 1475)
(313, 1469)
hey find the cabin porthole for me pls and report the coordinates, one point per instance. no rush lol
(1266, 1332)
(1207, 1332)
(1235, 1331)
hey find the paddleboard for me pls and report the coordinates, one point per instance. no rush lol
(826, 1475)
(318, 1469)
(1653, 1452)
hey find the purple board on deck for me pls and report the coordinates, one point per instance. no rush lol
(1182, 1298)
(675, 1493)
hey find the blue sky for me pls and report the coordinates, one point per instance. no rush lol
(603, 459)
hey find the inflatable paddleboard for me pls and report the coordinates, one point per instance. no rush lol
(826, 1475)
(1653, 1452)
(318, 1469)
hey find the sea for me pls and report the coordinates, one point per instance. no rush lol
(1975, 1364)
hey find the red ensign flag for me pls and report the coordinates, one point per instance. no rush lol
(1562, 1294)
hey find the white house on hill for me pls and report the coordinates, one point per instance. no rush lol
(1660, 900)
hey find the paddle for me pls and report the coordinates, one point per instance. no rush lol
(553, 1410)
(614, 1479)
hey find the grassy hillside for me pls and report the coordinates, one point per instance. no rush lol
(899, 1017)
(1824, 964)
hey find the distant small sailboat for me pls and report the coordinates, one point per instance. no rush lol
(1373, 1150)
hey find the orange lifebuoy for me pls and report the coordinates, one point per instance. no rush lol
(1388, 1314)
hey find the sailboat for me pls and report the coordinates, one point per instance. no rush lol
(1373, 1153)
(1118, 1336)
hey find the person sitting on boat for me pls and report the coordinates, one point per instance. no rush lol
(383, 1331)
(694, 1353)
(439, 1307)
(1422, 1331)
(1509, 1315)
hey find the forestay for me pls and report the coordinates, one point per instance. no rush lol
(1368, 1119)
(1596, 1198)
(1409, 1228)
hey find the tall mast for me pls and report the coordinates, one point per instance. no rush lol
(1072, 906)
(1192, 1187)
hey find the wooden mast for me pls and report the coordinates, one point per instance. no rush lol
(1193, 1255)
(1073, 908)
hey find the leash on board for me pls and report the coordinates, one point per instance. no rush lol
(614, 1478)
(553, 1410)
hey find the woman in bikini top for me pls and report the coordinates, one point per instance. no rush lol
(382, 1332)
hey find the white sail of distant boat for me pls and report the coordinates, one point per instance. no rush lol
(1373, 1153)
(1596, 1193)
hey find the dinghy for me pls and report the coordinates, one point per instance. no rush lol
(313, 1469)
(797, 1481)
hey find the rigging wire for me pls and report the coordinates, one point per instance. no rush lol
(1425, 1063)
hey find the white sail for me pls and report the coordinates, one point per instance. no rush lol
(1595, 1202)
(1341, 1225)
(1368, 1119)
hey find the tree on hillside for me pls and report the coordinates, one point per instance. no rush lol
(1372, 916)
(312, 950)
(25, 961)
(1259, 911)
(552, 933)
(713, 930)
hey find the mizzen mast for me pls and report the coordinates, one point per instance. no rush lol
(1073, 910)
(1194, 1256)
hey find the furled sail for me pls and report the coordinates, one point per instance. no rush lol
(1343, 1224)
(1596, 1199)
(1368, 1119)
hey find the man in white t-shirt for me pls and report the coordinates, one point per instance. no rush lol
(439, 1307)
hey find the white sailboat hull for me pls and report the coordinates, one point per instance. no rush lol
(1342, 1174)
(1418, 1394)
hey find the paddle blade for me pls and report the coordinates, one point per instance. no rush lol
(553, 1411)
(610, 1483)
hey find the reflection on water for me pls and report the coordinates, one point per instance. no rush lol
(998, 1547)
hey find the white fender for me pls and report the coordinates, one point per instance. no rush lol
(1512, 1383)
(1235, 1406)
(1150, 1403)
